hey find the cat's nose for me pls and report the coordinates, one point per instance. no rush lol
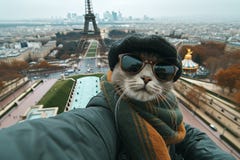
(146, 79)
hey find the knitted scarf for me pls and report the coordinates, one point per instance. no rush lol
(145, 129)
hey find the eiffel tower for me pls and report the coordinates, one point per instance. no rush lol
(90, 17)
(88, 34)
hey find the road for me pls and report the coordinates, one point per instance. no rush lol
(15, 94)
(30, 100)
(220, 110)
(193, 120)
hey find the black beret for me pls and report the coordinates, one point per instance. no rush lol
(139, 43)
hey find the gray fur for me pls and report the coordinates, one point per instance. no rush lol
(133, 86)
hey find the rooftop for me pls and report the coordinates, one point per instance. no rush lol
(84, 90)
(38, 111)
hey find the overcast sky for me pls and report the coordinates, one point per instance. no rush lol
(28, 9)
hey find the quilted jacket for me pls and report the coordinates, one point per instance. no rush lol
(89, 134)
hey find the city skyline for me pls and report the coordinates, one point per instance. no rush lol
(214, 9)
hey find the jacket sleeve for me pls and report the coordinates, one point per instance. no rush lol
(198, 146)
(85, 134)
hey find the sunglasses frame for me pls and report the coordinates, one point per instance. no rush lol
(144, 62)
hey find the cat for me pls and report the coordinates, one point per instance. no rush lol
(144, 85)
(138, 92)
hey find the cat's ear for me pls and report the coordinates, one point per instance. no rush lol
(178, 46)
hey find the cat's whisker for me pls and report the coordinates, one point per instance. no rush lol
(156, 98)
(155, 88)
(173, 119)
(165, 90)
(120, 90)
(136, 86)
(117, 109)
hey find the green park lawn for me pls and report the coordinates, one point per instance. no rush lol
(58, 94)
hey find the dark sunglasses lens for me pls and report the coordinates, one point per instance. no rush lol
(165, 72)
(131, 64)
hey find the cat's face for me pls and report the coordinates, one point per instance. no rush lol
(143, 85)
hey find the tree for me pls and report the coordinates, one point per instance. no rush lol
(229, 77)
(43, 64)
(19, 65)
(231, 57)
(12, 70)
(212, 64)
(237, 97)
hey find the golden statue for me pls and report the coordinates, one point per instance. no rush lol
(189, 54)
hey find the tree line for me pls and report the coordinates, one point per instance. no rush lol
(18, 69)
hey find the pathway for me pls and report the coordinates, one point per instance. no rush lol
(32, 99)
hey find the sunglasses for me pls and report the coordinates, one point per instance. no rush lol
(134, 65)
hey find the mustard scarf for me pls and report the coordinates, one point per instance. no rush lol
(146, 129)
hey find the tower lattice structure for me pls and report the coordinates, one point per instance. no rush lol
(90, 18)
(89, 34)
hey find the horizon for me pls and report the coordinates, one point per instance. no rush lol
(166, 19)
(58, 9)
